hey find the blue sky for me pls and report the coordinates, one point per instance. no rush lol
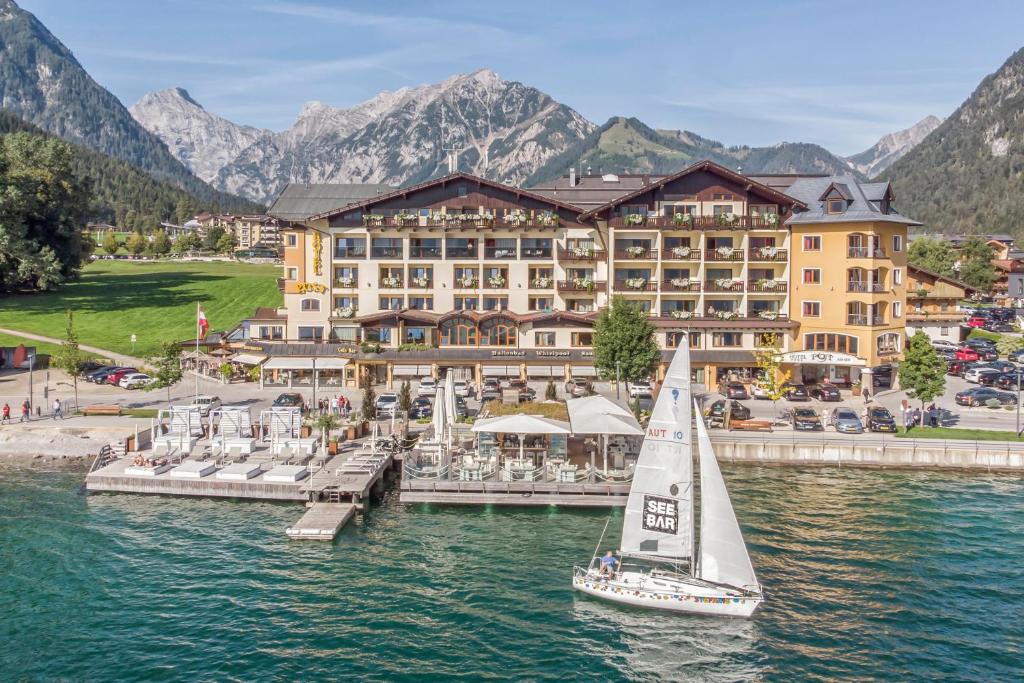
(837, 74)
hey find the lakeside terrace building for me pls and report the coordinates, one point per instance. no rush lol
(485, 279)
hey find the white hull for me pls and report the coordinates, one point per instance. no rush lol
(661, 591)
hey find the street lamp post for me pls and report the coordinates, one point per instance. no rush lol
(31, 382)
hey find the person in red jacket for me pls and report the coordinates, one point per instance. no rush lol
(6, 419)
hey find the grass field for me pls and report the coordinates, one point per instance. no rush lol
(954, 433)
(154, 300)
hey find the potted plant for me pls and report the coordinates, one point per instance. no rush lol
(725, 252)
(771, 219)
(466, 281)
(542, 282)
(634, 219)
(345, 281)
(403, 217)
(496, 281)
(636, 282)
(682, 315)
(582, 252)
(373, 218)
(345, 312)
(855, 388)
(683, 219)
(681, 251)
(392, 281)
(680, 282)
(636, 252)
(420, 281)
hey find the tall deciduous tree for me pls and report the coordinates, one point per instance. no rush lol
(212, 238)
(135, 244)
(976, 267)
(110, 244)
(772, 378)
(226, 243)
(934, 255)
(43, 205)
(624, 341)
(69, 358)
(922, 372)
(161, 244)
(166, 368)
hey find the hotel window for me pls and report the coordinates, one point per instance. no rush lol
(943, 331)
(888, 343)
(670, 210)
(839, 343)
(674, 339)
(584, 245)
(495, 303)
(386, 247)
(897, 309)
(414, 335)
(538, 277)
(381, 335)
(720, 197)
(458, 332)
(543, 340)
(500, 247)
(495, 278)
(534, 247)
(466, 278)
(579, 305)
(291, 273)
(897, 243)
(720, 209)
(311, 334)
(345, 334)
(421, 303)
(944, 307)
(582, 338)
(811, 309)
(346, 302)
(897, 276)
(540, 303)
(310, 305)
(273, 332)
(726, 339)
(812, 276)
(291, 239)
(420, 276)
(498, 332)
(673, 242)
(391, 303)
(812, 242)
(350, 247)
(346, 276)
(467, 303)
(461, 247)
(425, 247)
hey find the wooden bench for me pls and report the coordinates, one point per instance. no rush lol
(751, 425)
(101, 410)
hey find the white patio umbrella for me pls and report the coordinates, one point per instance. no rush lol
(439, 422)
(450, 406)
(521, 425)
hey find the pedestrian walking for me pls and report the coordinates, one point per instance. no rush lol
(6, 419)
(58, 410)
(26, 411)
(917, 417)
(908, 420)
(867, 395)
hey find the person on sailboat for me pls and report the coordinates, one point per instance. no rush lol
(608, 564)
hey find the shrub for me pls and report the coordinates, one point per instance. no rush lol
(551, 394)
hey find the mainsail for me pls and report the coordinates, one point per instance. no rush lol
(659, 511)
(723, 554)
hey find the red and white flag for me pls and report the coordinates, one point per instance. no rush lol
(204, 326)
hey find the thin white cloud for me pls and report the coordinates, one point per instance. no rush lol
(396, 23)
(167, 57)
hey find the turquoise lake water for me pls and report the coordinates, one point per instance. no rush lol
(869, 575)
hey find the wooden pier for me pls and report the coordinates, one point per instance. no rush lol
(513, 493)
(322, 522)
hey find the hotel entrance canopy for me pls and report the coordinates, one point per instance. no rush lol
(299, 363)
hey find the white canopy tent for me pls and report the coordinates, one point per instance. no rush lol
(521, 425)
(602, 417)
(248, 358)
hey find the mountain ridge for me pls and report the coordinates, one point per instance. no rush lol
(892, 147)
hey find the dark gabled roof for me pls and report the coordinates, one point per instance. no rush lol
(911, 269)
(860, 206)
(841, 189)
(363, 204)
(299, 201)
(705, 165)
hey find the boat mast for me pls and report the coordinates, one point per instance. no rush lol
(695, 557)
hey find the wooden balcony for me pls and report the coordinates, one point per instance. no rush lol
(456, 222)
(768, 255)
(696, 223)
(391, 283)
(681, 254)
(735, 254)
(346, 283)
(496, 282)
(621, 286)
(732, 287)
(349, 252)
(635, 255)
(680, 285)
(754, 314)
(417, 252)
(579, 254)
(581, 288)
(767, 286)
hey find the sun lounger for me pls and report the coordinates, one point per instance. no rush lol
(286, 474)
(143, 471)
(193, 469)
(239, 471)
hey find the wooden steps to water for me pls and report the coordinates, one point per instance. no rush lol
(322, 522)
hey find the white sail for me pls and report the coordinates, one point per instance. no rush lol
(723, 554)
(659, 512)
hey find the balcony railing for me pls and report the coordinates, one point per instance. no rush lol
(723, 254)
(424, 252)
(680, 253)
(346, 282)
(864, 252)
(421, 283)
(635, 285)
(582, 285)
(350, 252)
(738, 222)
(537, 252)
(580, 254)
(390, 282)
(345, 312)
(462, 252)
(677, 284)
(857, 286)
(864, 320)
(498, 253)
(768, 254)
(723, 286)
(496, 281)
(386, 252)
(767, 286)
(541, 282)
(637, 254)
(762, 314)
(466, 282)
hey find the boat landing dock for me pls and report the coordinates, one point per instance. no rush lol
(322, 522)
(514, 493)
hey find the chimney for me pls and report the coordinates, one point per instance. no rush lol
(572, 177)
(645, 179)
(453, 161)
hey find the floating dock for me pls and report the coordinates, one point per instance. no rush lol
(322, 522)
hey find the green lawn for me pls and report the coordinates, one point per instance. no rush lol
(154, 300)
(962, 434)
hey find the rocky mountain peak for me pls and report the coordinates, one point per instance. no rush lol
(893, 146)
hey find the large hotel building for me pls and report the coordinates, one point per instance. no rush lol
(484, 279)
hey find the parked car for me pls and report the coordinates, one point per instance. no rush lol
(758, 390)
(208, 403)
(980, 343)
(979, 396)
(1003, 366)
(98, 375)
(386, 405)
(461, 388)
(998, 327)
(1010, 381)
(977, 321)
(806, 420)
(525, 392)
(135, 380)
(1016, 356)
(988, 379)
(421, 407)
(826, 392)
(491, 390)
(427, 387)
(943, 344)
(116, 375)
(972, 374)
(577, 386)
(460, 408)
(966, 353)
(91, 366)
(716, 412)
(956, 368)
(946, 354)
(288, 400)
(734, 390)
(641, 387)
(796, 392)
(846, 421)
(880, 420)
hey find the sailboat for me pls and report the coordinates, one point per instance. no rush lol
(664, 563)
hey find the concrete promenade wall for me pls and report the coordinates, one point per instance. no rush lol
(941, 455)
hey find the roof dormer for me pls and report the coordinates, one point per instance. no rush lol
(837, 198)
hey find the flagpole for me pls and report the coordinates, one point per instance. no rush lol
(198, 309)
